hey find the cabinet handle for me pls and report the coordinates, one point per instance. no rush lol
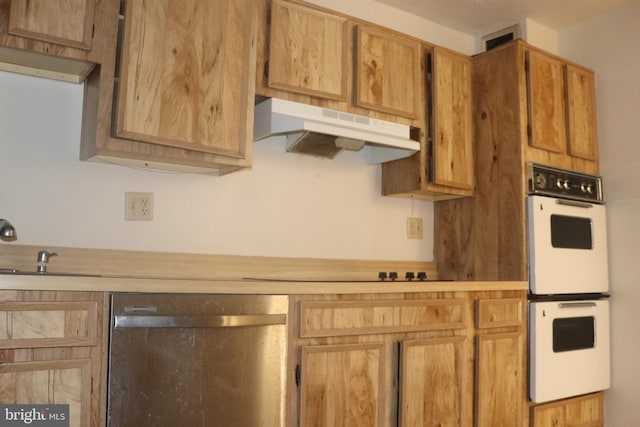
(199, 321)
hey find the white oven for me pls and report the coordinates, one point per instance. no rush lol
(568, 348)
(567, 243)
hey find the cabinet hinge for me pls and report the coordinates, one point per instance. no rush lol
(297, 374)
(93, 31)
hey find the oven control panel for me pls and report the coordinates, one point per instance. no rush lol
(565, 184)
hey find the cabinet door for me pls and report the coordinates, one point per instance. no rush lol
(65, 22)
(50, 382)
(308, 51)
(183, 78)
(581, 113)
(546, 98)
(499, 375)
(388, 69)
(583, 411)
(452, 156)
(433, 365)
(342, 385)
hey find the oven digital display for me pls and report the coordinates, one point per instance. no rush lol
(573, 333)
(571, 232)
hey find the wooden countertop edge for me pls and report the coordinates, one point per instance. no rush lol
(159, 285)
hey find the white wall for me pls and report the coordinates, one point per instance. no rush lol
(609, 45)
(288, 205)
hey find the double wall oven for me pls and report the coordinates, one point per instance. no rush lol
(568, 284)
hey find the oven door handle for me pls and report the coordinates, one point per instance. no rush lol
(576, 304)
(574, 203)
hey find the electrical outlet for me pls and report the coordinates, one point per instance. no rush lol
(414, 228)
(138, 206)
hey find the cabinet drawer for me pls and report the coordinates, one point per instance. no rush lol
(497, 313)
(336, 318)
(47, 324)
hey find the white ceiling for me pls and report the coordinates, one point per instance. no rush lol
(478, 17)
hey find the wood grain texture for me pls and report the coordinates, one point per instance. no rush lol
(495, 313)
(308, 51)
(499, 380)
(387, 72)
(181, 75)
(318, 319)
(547, 103)
(342, 385)
(453, 163)
(99, 145)
(73, 372)
(428, 368)
(64, 22)
(583, 411)
(582, 130)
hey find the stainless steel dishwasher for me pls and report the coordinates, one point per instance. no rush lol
(197, 360)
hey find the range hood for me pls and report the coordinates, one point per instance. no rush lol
(324, 132)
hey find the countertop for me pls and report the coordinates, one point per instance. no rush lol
(242, 286)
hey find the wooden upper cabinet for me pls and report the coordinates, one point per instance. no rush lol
(546, 102)
(64, 22)
(183, 79)
(581, 112)
(387, 72)
(308, 51)
(451, 133)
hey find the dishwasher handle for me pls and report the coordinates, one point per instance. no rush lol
(221, 321)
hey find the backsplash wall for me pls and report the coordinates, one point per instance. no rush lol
(287, 205)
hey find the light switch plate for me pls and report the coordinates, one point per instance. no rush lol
(414, 228)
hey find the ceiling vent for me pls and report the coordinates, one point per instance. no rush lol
(497, 38)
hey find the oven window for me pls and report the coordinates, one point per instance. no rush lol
(571, 232)
(573, 333)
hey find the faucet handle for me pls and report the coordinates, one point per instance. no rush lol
(43, 259)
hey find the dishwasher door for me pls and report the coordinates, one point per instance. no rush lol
(197, 360)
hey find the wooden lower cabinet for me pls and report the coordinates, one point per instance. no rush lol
(408, 360)
(582, 411)
(51, 352)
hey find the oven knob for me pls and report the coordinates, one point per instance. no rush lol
(566, 184)
(589, 188)
(540, 181)
(559, 183)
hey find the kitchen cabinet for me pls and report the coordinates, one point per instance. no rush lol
(184, 83)
(374, 359)
(308, 51)
(445, 166)
(59, 39)
(387, 72)
(317, 56)
(484, 238)
(581, 113)
(65, 22)
(582, 411)
(51, 348)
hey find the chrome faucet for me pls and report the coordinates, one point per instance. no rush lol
(7, 232)
(43, 259)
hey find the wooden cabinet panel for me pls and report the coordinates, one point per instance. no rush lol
(582, 411)
(342, 385)
(387, 72)
(335, 318)
(546, 97)
(496, 313)
(47, 324)
(183, 80)
(499, 380)
(65, 22)
(452, 160)
(308, 51)
(581, 113)
(432, 382)
(50, 382)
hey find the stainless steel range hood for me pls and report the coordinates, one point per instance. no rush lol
(323, 132)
